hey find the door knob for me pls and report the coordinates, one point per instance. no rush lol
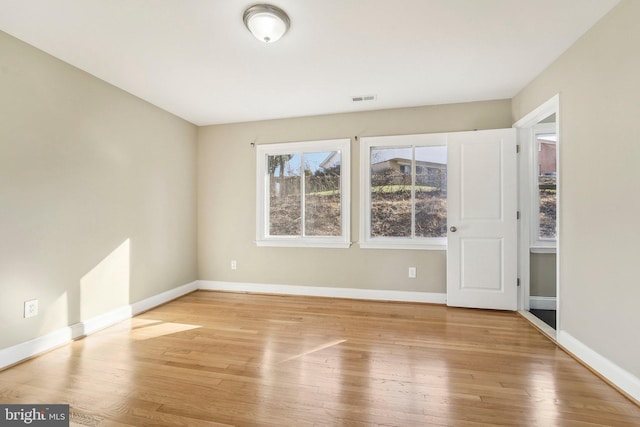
(453, 229)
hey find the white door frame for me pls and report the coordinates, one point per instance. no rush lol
(524, 128)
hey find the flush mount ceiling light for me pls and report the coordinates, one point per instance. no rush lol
(267, 23)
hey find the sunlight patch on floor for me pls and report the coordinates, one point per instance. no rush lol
(154, 329)
(315, 349)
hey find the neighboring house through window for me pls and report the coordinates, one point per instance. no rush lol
(404, 192)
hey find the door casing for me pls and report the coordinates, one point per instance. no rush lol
(524, 128)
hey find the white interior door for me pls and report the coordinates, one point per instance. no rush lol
(482, 209)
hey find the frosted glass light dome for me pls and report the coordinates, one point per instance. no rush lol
(267, 23)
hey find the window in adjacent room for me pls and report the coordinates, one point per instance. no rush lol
(404, 192)
(303, 194)
(544, 178)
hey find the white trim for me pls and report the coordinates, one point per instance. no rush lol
(540, 113)
(263, 238)
(25, 350)
(543, 303)
(321, 291)
(89, 326)
(542, 250)
(524, 126)
(393, 141)
(538, 323)
(164, 297)
(524, 261)
(413, 244)
(19, 352)
(618, 376)
(301, 242)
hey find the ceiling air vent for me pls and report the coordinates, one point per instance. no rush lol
(363, 98)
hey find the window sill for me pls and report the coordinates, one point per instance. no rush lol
(291, 243)
(404, 246)
(542, 249)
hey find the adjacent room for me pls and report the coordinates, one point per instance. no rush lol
(332, 213)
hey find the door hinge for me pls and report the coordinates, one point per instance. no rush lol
(518, 215)
(517, 148)
(518, 281)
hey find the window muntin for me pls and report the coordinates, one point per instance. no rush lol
(404, 192)
(303, 194)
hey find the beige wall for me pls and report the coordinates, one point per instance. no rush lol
(599, 87)
(97, 195)
(227, 201)
(542, 275)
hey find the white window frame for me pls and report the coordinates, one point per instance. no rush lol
(537, 244)
(394, 141)
(263, 238)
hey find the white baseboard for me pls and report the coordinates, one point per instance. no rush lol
(321, 291)
(156, 300)
(618, 376)
(542, 303)
(543, 327)
(25, 350)
(11, 355)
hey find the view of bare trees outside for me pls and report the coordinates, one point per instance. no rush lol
(547, 173)
(408, 193)
(392, 181)
(547, 194)
(320, 195)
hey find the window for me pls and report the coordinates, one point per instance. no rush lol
(544, 179)
(303, 194)
(404, 192)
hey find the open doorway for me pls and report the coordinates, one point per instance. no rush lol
(539, 174)
(543, 220)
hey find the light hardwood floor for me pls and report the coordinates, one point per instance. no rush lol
(213, 358)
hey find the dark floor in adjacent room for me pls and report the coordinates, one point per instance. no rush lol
(547, 316)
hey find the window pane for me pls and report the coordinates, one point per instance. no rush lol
(300, 192)
(284, 195)
(322, 194)
(391, 192)
(547, 174)
(431, 191)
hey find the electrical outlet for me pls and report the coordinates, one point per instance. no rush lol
(412, 273)
(31, 308)
(234, 264)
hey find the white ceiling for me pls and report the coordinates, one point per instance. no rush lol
(195, 58)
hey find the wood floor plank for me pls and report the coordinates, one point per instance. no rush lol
(227, 359)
